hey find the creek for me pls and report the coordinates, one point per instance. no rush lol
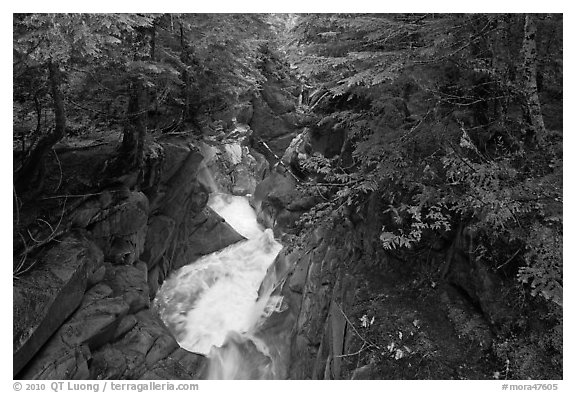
(218, 305)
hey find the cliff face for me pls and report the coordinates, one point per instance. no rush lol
(83, 310)
(352, 310)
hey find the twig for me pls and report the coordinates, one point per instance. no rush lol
(370, 343)
(509, 259)
(19, 271)
(38, 243)
(279, 162)
(460, 157)
(363, 347)
(60, 167)
(77, 195)
(336, 184)
(403, 137)
(47, 223)
(320, 193)
(17, 204)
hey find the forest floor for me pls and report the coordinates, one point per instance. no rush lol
(414, 328)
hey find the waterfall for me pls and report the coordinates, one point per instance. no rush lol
(213, 307)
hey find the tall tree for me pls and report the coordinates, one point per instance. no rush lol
(56, 42)
(529, 71)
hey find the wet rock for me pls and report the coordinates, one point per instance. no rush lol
(205, 233)
(245, 114)
(279, 204)
(97, 292)
(69, 365)
(300, 273)
(95, 324)
(121, 230)
(174, 155)
(91, 326)
(85, 213)
(192, 363)
(96, 276)
(162, 347)
(279, 100)
(138, 352)
(249, 173)
(155, 279)
(182, 189)
(125, 325)
(108, 363)
(232, 166)
(299, 148)
(130, 283)
(275, 129)
(123, 219)
(180, 364)
(44, 298)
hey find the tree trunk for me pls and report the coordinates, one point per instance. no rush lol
(30, 177)
(537, 130)
(185, 58)
(134, 136)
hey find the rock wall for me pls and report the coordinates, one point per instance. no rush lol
(323, 274)
(84, 310)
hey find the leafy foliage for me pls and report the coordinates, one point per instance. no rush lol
(435, 112)
(161, 72)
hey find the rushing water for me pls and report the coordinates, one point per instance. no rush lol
(212, 306)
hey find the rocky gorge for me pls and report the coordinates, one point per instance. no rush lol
(94, 317)
(92, 252)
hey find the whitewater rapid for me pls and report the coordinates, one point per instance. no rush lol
(212, 305)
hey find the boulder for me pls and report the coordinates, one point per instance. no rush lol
(93, 325)
(232, 166)
(130, 283)
(276, 130)
(158, 236)
(182, 189)
(245, 113)
(120, 230)
(278, 100)
(45, 297)
(279, 204)
(179, 364)
(138, 353)
(203, 234)
(69, 365)
(174, 155)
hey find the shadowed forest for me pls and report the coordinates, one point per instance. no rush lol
(410, 165)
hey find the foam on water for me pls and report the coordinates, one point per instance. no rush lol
(237, 212)
(215, 300)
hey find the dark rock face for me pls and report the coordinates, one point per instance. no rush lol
(279, 100)
(46, 297)
(277, 130)
(203, 234)
(275, 118)
(309, 327)
(84, 310)
(321, 289)
(278, 203)
(120, 231)
(323, 279)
